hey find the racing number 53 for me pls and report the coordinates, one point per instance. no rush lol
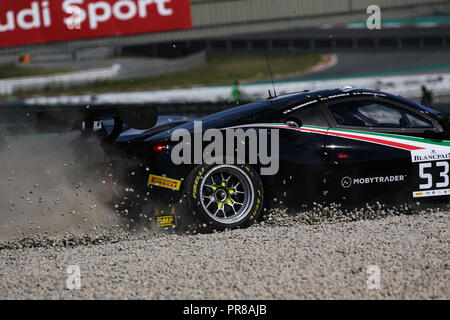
(443, 168)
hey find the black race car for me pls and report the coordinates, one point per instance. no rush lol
(349, 146)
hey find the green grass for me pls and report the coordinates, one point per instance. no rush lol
(218, 70)
(11, 70)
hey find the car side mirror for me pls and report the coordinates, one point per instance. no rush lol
(294, 123)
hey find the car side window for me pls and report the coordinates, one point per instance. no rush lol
(311, 115)
(376, 114)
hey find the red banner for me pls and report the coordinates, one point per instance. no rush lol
(28, 22)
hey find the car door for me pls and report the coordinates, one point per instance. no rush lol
(370, 145)
(302, 157)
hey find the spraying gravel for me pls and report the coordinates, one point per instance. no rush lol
(317, 253)
(298, 261)
(46, 188)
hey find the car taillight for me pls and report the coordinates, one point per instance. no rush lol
(159, 147)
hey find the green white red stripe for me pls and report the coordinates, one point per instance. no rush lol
(390, 140)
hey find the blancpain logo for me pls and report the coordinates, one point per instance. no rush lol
(433, 156)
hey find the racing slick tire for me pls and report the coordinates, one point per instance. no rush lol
(225, 196)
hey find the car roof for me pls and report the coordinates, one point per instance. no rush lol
(283, 102)
(325, 95)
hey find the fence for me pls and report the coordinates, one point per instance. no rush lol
(13, 85)
(158, 67)
(131, 70)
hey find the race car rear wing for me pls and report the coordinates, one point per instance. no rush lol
(16, 116)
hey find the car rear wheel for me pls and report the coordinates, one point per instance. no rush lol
(226, 196)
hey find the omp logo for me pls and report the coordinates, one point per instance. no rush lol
(165, 221)
(164, 182)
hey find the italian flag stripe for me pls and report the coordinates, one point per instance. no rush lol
(391, 140)
(377, 141)
(406, 138)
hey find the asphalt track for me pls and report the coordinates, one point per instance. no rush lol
(385, 63)
(349, 64)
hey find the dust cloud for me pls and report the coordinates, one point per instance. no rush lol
(49, 185)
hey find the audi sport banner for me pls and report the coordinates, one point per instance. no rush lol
(28, 22)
